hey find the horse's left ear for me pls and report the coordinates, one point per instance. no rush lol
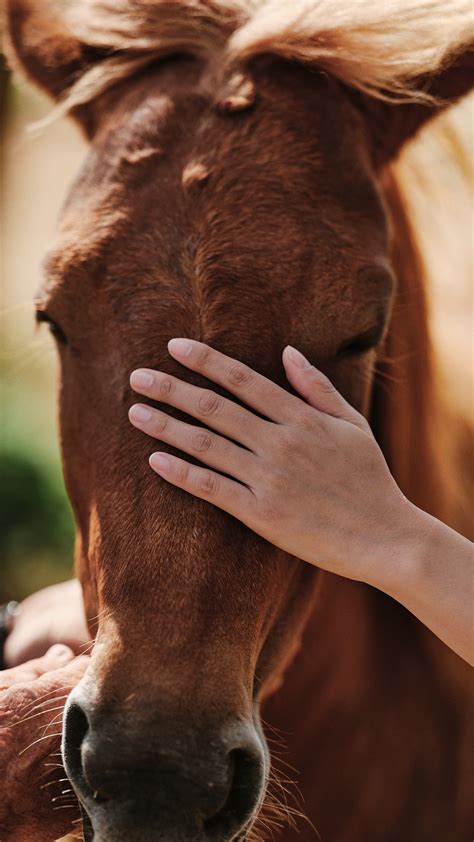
(392, 124)
(40, 45)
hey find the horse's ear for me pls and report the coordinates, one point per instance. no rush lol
(392, 124)
(40, 45)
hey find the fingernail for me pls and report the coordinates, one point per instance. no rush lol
(297, 358)
(138, 412)
(141, 378)
(180, 347)
(160, 462)
(59, 652)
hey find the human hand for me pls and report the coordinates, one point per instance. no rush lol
(312, 479)
(52, 615)
(37, 801)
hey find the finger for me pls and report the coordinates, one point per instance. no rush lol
(232, 497)
(251, 388)
(214, 450)
(217, 412)
(55, 658)
(316, 388)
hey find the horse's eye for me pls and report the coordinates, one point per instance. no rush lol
(360, 344)
(55, 329)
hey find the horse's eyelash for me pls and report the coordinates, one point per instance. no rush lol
(43, 317)
(360, 344)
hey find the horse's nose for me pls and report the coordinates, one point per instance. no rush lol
(167, 783)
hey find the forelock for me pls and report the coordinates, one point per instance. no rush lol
(380, 48)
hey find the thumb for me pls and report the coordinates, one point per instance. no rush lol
(316, 388)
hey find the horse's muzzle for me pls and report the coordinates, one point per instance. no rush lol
(168, 782)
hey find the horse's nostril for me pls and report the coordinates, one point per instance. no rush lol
(243, 793)
(77, 754)
(76, 727)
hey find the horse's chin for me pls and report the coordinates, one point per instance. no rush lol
(88, 830)
(89, 835)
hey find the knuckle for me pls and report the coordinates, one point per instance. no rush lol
(209, 403)
(202, 356)
(208, 484)
(201, 442)
(161, 423)
(323, 383)
(183, 472)
(165, 386)
(240, 375)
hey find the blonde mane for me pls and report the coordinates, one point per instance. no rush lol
(382, 48)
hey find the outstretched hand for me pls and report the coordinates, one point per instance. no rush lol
(37, 802)
(309, 476)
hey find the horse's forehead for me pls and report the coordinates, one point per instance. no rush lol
(188, 183)
(283, 130)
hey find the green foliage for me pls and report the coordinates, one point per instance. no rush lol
(36, 527)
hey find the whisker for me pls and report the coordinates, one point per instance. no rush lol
(65, 807)
(39, 740)
(52, 783)
(55, 720)
(87, 647)
(39, 701)
(62, 797)
(49, 772)
(35, 715)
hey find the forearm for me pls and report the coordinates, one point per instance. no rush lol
(433, 577)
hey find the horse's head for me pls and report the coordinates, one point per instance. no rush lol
(248, 217)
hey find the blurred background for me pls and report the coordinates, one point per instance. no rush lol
(36, 530)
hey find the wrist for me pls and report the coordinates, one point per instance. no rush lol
(401, 557)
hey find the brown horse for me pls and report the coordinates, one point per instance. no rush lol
(238, 191)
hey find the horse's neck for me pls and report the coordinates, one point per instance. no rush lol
(360, 645)
(375, 715)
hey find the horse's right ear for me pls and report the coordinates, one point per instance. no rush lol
(392, 125)
(40, 45)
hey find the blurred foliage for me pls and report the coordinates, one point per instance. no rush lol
(36, 524)
(36, 528)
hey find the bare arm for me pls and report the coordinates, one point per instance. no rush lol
(437, 580)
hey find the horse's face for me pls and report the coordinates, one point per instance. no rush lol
(246, 230)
